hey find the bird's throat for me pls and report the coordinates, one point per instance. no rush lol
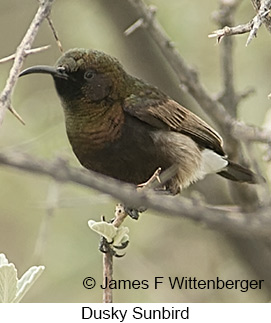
(93, 127)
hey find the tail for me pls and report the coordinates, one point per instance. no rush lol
(238, 173)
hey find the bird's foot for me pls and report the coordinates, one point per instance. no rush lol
(150, 183)
(134, 213)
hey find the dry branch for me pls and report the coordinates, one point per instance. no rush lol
(225, 219)
(21, 53)
(27, 52)
(232, 130)
(229, 31)
(120, 216)
(263, 9)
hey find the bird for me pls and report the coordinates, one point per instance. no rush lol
(123, 127)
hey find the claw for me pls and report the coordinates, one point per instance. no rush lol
(118, 256)
(133, 213)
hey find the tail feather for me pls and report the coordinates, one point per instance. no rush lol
(238, 173)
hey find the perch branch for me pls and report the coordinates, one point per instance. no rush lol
(221, 218)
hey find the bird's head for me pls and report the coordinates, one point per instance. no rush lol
(88, 75)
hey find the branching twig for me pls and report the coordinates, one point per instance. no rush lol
(27, 52)
(259, 19)
(263, 8)
(229, 31)
(228, 98)
(189, 78)
(50, 22)
(5, 96)
(223, 219)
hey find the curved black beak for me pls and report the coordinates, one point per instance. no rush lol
(52, 70)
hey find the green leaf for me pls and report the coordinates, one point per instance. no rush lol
(27, 280)
(110, 232)
(107, 230)
(3, 259)
(121, 236)
(12, 290)
(8, 283)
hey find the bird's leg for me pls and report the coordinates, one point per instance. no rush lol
(155, 177)
(150, 183)
(159, 179)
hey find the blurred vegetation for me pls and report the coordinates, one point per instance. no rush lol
(160, 245)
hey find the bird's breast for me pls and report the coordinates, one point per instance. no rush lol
(94, 130)
(120, 146)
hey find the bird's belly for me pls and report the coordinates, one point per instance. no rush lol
(133, 157)
(181, 150)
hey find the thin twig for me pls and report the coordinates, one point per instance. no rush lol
(107, 275)
(16, 115)
(120, 216)
(251, 27)
(50, 22)
(229, 98)
(259, 19)
(134, 27)
(230, 31)
(5, 96)
(27, 52)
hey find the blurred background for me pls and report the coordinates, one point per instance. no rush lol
(32, 234)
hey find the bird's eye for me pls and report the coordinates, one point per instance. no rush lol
(89, 75)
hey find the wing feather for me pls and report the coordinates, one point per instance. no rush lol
(165, 113)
